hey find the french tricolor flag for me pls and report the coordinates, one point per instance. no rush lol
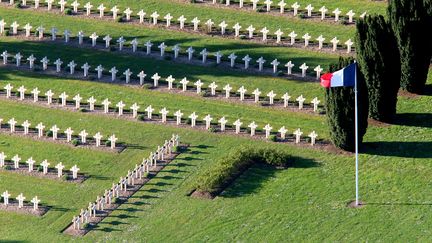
(345, 77)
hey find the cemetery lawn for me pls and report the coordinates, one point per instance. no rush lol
(307, 202)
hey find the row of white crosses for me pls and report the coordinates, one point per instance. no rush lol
(295, 7)
(156, 78)
(129, 180)
(20, 198)
(179, 115)
(83, 135)
(44, 164)
(176, 49)
(209, 25)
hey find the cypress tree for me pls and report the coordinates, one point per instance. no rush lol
(340, 110)
(411, 20)
(378, 56)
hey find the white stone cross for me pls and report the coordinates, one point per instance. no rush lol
(88, 8)
(278, 34)
(40, 30)
(94, 37)
(155, 17)
(127, 75)
(31, 60)
(5, 56)
(45, 165)
(195, 23)
(237, 125)
(121, 42)
(282, 5)
(337, 12)
(298, 134)
(271, 96)
(54, 129)
(6, 196)
(40, 127)
(323, 11)
(99, 69)
(164, 112)
(66, 35)
(335, 42)
(54, 33)
(209, 23)
(257, 94)
(176, 49)
(18, 58)
(295, 6)
(113, 141)
(14, 26)
(148, 46)
(22, 91)
(218, 56)
(113, 72)
(190, 52)
(62, 4)
(320, 40)
(27, 29)
(246, 60)
(304, 68)
(114, 11)
(44, 62)
(208, 120)
(349, 44)
(91, 102)
(315, 103)
(12, 122)
(318, 71)
(168, 18)
(63, 97)
(8, 89)
(162, 48)
(250, 30)
(268, 4)
(170, 81)
(26, 124)
(306, 38)
(267, 130)
(20, 199)
(128, 13)
(156, 78)
(286, 98)
(275, 64)
(178, 114)
(252, 127)
(181, 20)
(350, 15)
(141, 15)
(35, 202)
(198, 85)
(134, 44)
(107, 40)
(2, 26)
(292, 36)
(184, 83)
(283, 132)
(2, 159)
(69, 133)
(98, 136)
(149, 111)
(134, 109)
(204, 54)
(80, 37)
(85, 68)
(254, 4)
(223, 26)
(300, 100)
(309, 9)
(227, 89)
(35, 93)
(77, 98)
(260, 62)
(72, 66)
(141, 77)
(16, 159)
(120, 105)
(75, 6)
(242, 92)
(30, 161)
(223, 122)
(193, 118)
(237, 28)
(59, 168)
(58, 64)
(75, 170)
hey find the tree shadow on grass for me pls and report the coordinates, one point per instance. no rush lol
(254, 178)
(414, 119)
(399, 204)
(421, 150)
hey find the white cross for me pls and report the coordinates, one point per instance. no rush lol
(26, 124)
(141, 15)
(91, 102)
(31, 60)
(254, 4)
(306, 38)
(271, 96)
(162, 48)
(292, 36)
(101, 9)
(267, 130)
(223, 122)
(309, 9)
(320, 40)
(22, 91)
(77, 98)
(170, 81)
(72, 66)
(35, 93)
(300, 100)
(107, 40)
(363, 15)
(16, 159)
(113, 72)
(141, 77)
(250, 30)
(128, 13)
(190, 52)
(127, 74)
(268, 4)
(178, 114)
(168, 18)
(164, 113)
(40, 127)
(223, 26)
(12, 122)
(337, 12)
(315, 103)
(41, 30)
(120, 105)
(349, 43)
(113, 141)
(75, 5)
(260, 62)
(242, 92)
(149, 111)
(257, 94)
(99, 69)
(98, 138)
(282, 5)
(213, 87)
(80, 37)
(27, 28)
(252, 127)
(148, 45)
(335, 42)
(237, 125)
(94, 37)
(121, 42)
(304, 68)
(278, 34)
(181, 20)
(350, 15)
(298, 134)
(208, 120)
(195, 23)
(295, 6)
(44, 62)
(88, 8)
(2, 159)
(30, 163)
(69, 133)
(232, 58)
(63, 96)
(85, 68)
(193, 118)
(237, 28)
(54, 131)
(2, 26)
(35, 202)
(286, 98)
(14, 26)
(58, 64)
(156, 78)
(20, 199)
(246, 60)
(176, 50)
(323, 11)
(62, 4)
(6, 196)
(45, 165)
(8, 88)
(154, 16)
(83, 134)
(5, 57)
(74, 170)
(184, 83)
(59, 168)
(283, 132)
(318, 71)
(54, 33)
(264, 32)
(227, 89)
(275, 64)
(114, 11)
(198, 85)
(218, 56)
(134, 44)
(204, 54)
(134, 109)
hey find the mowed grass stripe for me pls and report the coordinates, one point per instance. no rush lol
(171, 38)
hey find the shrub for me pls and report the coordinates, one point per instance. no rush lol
(107, 143)
(75, 142)
(226, 170)
(212, 129)
(222, 1)
(273, 138)
(39, 168)
(204, 93)
(8, 167)
(68, 11)
(261, 9)
(120, 18)
(65, 177)
(6, 33)
(301, 16)
(49, 133)
(179, 86)
(189, 121)
(192, 1)
(242, 37)
(83, 110)
(18, 5)
(177, 149)
(141, 117)
(147, 86)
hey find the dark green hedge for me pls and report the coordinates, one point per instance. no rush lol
(226, 170)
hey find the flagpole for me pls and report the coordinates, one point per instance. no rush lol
(356, 136)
